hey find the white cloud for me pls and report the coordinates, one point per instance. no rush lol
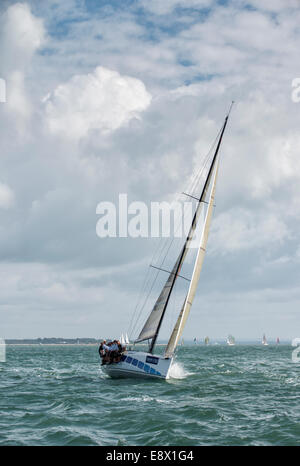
(6, 196)
(22, 34)
(18, 102)
(103, 100)
(241, 229)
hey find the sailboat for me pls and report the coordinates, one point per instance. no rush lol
(206, 341)
(264, 340)
(148, 364)
(230, 340)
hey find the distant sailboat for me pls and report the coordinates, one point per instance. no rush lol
(264, 340)
(230, 340)
(277, 341)
(195, 341)
(146, 364)
(206, 341)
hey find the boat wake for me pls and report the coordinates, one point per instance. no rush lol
(177, 371)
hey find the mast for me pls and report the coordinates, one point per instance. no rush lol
(182, 318)
(153, 324)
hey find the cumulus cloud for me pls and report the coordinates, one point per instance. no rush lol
(103, 100)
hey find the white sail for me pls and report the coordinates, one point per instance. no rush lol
(178, 329)
(230, 340)
(126, 339)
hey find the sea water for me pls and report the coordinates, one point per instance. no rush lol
(216, 395)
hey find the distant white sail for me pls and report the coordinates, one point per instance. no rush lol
(264, 340)
(230, 340)
(122, 340)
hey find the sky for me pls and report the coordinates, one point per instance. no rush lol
(109, 97)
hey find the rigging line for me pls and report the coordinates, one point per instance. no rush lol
(168, 271)
(203, 162)
(145, 301)
(147, 297)
(194, 182)
(142, 289)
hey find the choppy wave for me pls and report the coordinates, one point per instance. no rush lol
(244, 395)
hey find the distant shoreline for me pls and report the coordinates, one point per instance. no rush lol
(188, 343)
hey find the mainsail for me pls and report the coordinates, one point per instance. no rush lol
(152, 325)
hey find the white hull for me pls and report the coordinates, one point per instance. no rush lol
(138, 364)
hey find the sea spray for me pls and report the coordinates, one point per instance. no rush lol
(177, 371)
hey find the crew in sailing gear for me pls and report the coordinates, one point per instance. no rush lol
(104, 352)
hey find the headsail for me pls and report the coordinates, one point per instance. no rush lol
(150, 328)
(178, 329)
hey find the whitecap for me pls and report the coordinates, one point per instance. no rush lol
(177, 371)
